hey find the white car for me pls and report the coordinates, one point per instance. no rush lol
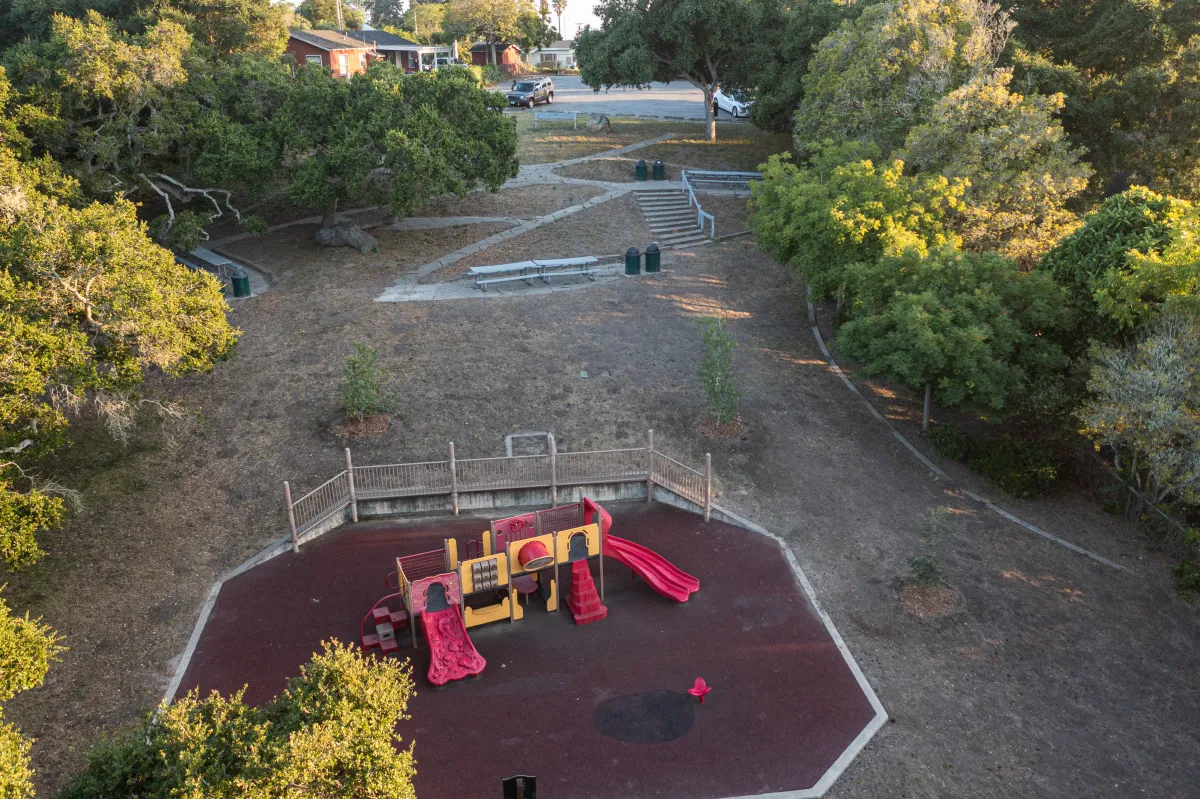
(736, 102)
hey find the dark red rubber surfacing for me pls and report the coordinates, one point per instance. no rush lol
(784, 703)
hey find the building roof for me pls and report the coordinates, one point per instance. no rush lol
(484, 47)
(561, 44)
(329, 40)
(381, 39)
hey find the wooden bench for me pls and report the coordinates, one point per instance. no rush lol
(528, 270)
(556, 115)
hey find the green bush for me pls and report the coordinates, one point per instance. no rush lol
(362, 384)
(926, 564)
(1021, 468)
(949, 442)
(491, 74)
(330, 734)
(716, 372)
(1187, 578)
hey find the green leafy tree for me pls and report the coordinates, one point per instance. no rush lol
(142, 117)
(1131, 74)
(777, 61)
(362, 388)
(391, 138)
(533, 32)
(388, 12)
(692, 40)
(232, 26)
(969, 329)
(876, 77)
(1136, 254)
(27, 648)
(844, 209)
(1014, 154)
(1145, 404)
(716, 372)
(324, 14)
(88, 305)
(330, 734)
(493, 21)
(424, 20)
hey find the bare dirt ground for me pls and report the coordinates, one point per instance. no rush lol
(606, 229)
(614, 170)
(730, 212)
(522, 203)
(1057, 677)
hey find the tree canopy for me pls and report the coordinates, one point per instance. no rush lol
(392, 138)
(331, 733)
(969, 326)
(693, 40)
(879, 75)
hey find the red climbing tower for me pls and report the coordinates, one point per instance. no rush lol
(584, 602)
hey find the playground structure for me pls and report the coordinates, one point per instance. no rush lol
(517, 556)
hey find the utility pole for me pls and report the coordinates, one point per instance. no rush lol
(339, 14)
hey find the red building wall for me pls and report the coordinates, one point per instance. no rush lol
(510, 57)
(329, 58)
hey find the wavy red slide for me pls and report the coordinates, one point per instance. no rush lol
(452, 654)
(658, 572)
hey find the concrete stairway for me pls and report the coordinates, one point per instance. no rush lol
(671, 220)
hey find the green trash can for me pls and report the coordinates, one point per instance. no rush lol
(633, 260)
(240, 282)
(639, 172)
(653, 258)
(659, 173)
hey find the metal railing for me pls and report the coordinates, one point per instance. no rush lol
(453, 477)
(690, 180)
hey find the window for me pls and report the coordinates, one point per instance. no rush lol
(362, 60)
(549, 58)
(313, 59)
(342, 66)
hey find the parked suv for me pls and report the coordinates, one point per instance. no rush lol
(531, 92)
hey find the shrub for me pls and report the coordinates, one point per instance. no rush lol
(848, 207)
(330, 734)
(926, 564)
(949, 442)
(362, 384)
(1022, 469)
(491, 74)
(716, 372)
(1187, 578)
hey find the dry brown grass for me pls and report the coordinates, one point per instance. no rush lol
(520, 203)
(740, 147)
(549, 144)
(614, 170)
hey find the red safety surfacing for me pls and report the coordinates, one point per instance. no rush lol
(595, 710)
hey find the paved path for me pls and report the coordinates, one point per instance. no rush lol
(679, 100)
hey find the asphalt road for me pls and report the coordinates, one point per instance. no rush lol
(678, 99)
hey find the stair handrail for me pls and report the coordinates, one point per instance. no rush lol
(701, 215)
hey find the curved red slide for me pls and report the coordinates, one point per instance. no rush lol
(452, 654)
(658, 572)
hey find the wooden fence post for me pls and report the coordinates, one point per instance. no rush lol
(287, 498)
(649, 465)
(707, 486)
(453, 480)
(350, 480)
(553, 470)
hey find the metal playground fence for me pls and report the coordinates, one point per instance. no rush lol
(453, 477)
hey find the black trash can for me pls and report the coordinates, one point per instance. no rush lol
(240, 283)
(633, 260)
(659, 173)
(653, 258)
(639, 172)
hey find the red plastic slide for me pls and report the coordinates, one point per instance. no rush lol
(452, 655)
(658, 572)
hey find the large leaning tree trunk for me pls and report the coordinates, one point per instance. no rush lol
(710, 114)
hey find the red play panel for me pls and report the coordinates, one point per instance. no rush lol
(594, 710)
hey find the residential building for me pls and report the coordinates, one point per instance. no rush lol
(331, 49)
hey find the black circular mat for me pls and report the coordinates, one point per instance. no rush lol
(653, 717)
